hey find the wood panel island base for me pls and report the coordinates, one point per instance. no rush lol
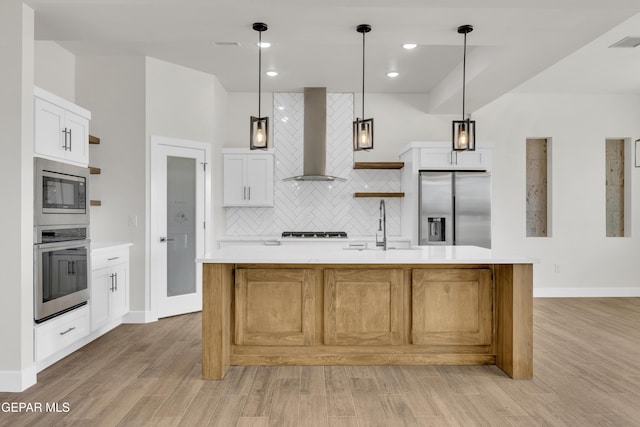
(431, 306)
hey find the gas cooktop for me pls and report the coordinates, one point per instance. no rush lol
(315, 234)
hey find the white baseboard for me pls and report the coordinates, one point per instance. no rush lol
(17, 381)
(585, 292)
(140, 317)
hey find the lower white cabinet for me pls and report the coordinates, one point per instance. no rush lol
(60, 332)
(109, 285)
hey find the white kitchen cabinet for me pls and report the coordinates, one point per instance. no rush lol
(445, 158)
(248, 179)
(61, 129)
(57, 334)
(109, 286)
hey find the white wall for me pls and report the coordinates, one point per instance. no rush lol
(188, 104)
(55, 69)
(183, 103)
(17, 370)
(113, 89)
(132, 98)
(577, 255)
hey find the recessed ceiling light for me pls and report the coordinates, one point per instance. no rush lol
(393, 74)
(264, 44)
(271, 73)
(280, 107)
(409, 46)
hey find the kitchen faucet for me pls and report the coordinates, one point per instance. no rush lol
(382, 226)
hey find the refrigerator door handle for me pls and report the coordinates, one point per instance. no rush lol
(453, 212)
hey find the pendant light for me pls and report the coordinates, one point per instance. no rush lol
(259, 125)
(464, 131)
(363, 128)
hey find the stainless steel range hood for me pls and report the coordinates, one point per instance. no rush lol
(315, 137)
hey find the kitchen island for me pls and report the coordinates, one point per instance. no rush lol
(319, 305)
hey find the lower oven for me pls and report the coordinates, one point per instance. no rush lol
(61, 264)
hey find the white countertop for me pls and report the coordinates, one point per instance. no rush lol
(321, 254)
(99, 246)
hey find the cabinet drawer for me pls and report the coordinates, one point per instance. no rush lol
(60, 332)
(107, 258)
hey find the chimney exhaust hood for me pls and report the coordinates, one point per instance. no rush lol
(315, 137)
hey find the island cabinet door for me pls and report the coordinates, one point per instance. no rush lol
(363, 307)
(452, 306)
(274, 307)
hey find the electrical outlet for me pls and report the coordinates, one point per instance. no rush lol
(556, 268)
(133, 221)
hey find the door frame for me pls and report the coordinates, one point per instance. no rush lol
(155, 257)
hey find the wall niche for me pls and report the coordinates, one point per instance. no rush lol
(614, 157)
(537, 187)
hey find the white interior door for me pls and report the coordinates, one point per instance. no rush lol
(179, 207)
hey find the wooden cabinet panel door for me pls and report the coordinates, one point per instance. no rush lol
(363, 307)
(274, 307)
(452, 306)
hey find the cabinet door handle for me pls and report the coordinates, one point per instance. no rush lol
(65, 139)
(111, 259)
(68, 268)
(244, 193)
(69, 139)
(116, 274)
(68, 330)
(111, 277)
(249, 193)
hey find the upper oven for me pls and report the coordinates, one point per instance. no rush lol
(60, 193)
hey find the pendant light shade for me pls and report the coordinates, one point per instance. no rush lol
(464, 131)
(259, 132)
(363, 128)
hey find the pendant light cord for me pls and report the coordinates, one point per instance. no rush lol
(363, 33)
(464, 70)
(260, 71)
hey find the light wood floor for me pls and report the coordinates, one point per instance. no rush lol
(586, 373)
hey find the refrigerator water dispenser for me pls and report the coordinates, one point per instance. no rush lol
(436, 229)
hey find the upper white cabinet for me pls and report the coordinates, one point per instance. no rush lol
(248, 179)
(445, 158)
(61, 129)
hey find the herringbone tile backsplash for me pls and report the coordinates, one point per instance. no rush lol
(318, 206)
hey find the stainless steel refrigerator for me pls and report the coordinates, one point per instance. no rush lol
(455, 208)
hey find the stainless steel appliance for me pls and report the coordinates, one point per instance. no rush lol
(315, 234)
(61, 238)
(455, 208)
(61, 270)
(60, 193)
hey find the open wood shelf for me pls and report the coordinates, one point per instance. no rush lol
(378, 195)
(378, 165)
(95, 203)
(94, 170)
(94, 139)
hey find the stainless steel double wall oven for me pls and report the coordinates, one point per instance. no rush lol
(61, 238)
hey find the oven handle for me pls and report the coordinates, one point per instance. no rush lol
(63, 245)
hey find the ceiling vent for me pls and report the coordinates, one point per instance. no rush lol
(226, 43)
(627, 42)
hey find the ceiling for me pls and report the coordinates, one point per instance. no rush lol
(314, 43)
